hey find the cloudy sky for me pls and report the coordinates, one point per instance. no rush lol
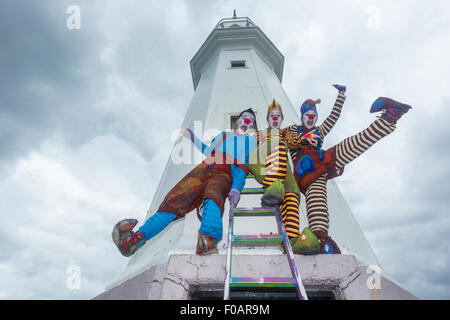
(85, 116)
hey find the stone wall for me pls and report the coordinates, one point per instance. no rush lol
(338, 273)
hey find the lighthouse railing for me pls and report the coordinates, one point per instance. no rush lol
(243, 22)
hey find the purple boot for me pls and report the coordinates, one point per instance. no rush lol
(393, 110)
(339, 87)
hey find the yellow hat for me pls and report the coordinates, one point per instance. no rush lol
(274, 106)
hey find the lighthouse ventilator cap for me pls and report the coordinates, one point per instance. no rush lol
(309, 105)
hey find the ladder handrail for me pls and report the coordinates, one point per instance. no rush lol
(294, 270)
(226, 295)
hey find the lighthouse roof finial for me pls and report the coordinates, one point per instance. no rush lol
(234, 14)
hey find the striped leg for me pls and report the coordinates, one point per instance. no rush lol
(276, 165)
(290, 214)
(346, 151)
(317, 213)
(350, 148)
(316, 205)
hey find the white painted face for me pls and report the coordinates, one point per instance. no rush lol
(275, 119)
(245, 123)
(309, 119)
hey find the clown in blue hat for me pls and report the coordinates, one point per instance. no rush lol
(313, 166)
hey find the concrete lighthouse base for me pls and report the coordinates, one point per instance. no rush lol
(185, 276)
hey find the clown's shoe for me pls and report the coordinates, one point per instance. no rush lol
(393, 110)
(327, 245)
(206, 245)
(306, 243)
(274, 194)
(127, 241)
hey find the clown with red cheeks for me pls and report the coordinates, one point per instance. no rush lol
(221, 174)
(313, 166)
(245, 123)
(275, 119)
(270, 165)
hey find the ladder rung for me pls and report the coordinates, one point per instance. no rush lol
(245, 240)
(253, 191)
(269, 282)
(261, 239)
(250, 176)
(254, 212)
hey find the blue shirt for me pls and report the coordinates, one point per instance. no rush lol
(234, 146)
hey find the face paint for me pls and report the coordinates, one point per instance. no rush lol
(245, 123)
(309, 119)
(275, 119)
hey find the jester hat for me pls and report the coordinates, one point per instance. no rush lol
(309, 105)
(274, 106)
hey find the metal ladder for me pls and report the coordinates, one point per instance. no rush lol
(263, 239)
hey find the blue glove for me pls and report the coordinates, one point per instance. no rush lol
(339, 87)
(234, 195)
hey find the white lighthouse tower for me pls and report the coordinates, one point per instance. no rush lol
(238, 67)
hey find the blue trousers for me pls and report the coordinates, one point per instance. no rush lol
(211, 223)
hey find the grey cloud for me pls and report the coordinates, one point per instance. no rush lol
(53, 82)
(54, 77)
(49, 77)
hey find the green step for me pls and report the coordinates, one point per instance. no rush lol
(250, 176)
(253, 191)
(267, 282)
(256, 240)
(254, 212)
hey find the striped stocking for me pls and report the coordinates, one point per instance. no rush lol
(352, 147)
(346, 151)
(290, 216)
(316, 205)
(276, 165)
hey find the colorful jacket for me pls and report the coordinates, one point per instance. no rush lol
(228, 148)
(312, 162)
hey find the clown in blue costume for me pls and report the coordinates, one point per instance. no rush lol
(221, 174)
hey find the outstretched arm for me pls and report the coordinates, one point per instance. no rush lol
(238, 175)
(330, 121)
(291, 137)
(295, 141)
(205, 149)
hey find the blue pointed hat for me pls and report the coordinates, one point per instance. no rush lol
(309, 105)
